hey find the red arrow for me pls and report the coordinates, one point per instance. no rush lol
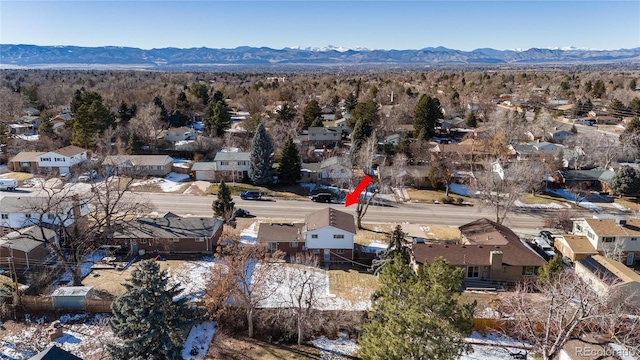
(352, 197)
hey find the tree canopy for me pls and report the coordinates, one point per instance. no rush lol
(425, 117)
(261, 156)
(90, 118)
(626, 181)
(223, 205)
(150, 318)
(290, 163)
(216, 117)
(312, 112)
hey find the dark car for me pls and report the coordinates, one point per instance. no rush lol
(547, 236)
(241, 213)
(322, 197)
(250, 195)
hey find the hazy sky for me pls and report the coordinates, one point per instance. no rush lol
(464, 25)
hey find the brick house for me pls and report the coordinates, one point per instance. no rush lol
(170, 234)
(25, 161)
(487, 251)
(27, 246)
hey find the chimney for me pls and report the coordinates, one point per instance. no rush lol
(496, 264)
(621, 222)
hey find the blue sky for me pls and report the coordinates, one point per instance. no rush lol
(464, 25)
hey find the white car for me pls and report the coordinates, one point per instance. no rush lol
(88, 175)
(544, 246)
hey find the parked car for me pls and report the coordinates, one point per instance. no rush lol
(241, 213)
(88, 175)
(66, 176)
(250, 195)
(544, 246)
(8, 184)
(547, 236)
(322, 197)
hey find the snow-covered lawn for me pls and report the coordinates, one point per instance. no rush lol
(570, 196)
(87, 263)
(198, 341)
(250, 234)
(374, 246)
(330, 349)
(620, 207)
(552, 205)
(193, 276)
(171, 183)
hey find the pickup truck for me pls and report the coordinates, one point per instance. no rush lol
(8, 184)
(250, 195)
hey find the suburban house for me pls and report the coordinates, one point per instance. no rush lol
(180, 134)
(321, 136)
(20, 212)
(607, 276)
(205, 171)
(27, 246)
(592, 180)
(612, 237)
(328, 233)
(449, 124)
(487, 251)
(170, 234)
(537, 149)
(53, 352)
(63, 160)
(575, 247)
(560, 136)
(231, 165)
(393, 139)
(310, 172)
(138, 165)
(25, 161)
(335, 170)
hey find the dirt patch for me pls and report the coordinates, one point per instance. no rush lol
(226, 347)
(352, 285)
(373, 233)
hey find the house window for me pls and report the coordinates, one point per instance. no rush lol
(4, 216)
(473, 271)
(529, 270)
(634, 239)
(174, 240)
(608, 239)
(314, 236)
(224, 163)
(58, 159)
(338, 236)
(293, 244)
(242, 163)
(45, 159)
(143, 241)
(590, 235)
(28, 216)
(199, 239)
(578, 227)
(340, 251)
(25, 164)
(316, 251)
(272, 246)
(159, 167)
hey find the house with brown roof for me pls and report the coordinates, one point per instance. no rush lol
(487, 251)
(138, 165)
(170, 234)
(575, 247)
(25, 161)
(327, 233)
(63, 160)
(608, 277)
(612, 237)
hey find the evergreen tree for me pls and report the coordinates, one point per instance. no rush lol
(201, 91)
(471, 120)
(260, 160)
(126, 113)
(216, 117)
(182, 103)
(90, 118)
(312, 111)
(223, 206)
(598, 89)
(4, 129)
(417, 316)
(399, 248)
(439, 175)
(290, 163)
(286, 113)
(46, 127)
(626, 181)
(549, 271)
(350, 102)
(634, 105)
(148, 318)
(133, 145)
(367, 111)
(425, 117)
(361, 132)
(157, 101)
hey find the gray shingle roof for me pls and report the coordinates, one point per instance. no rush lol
(26, 239)
(203, 166)
(168, 227)
(232, 156)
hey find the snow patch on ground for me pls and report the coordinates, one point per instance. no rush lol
(171, 183)
(569, 196)
(182, 163)
(87, 264)
(493, 346)
(192, 276)
(250, 234)
(342, 346)
(552, 205)
(199, 340)
(3, 168)
(621, 352)
(620, 207)
(374, 246)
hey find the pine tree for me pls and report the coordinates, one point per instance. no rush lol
(148, 319)
(626, 181)
(223, 205)
(260, 160)
(398, 246)
(216, 117)
(312, 111)
(425, 117)
(417, 316)
(133, 145)
(290, 163)
(472, 120)
(46, 127)
(286, 113)
(549, 271)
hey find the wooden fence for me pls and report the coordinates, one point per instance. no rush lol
(45, 304)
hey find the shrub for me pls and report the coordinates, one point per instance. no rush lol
(459, 201)
(447, 200)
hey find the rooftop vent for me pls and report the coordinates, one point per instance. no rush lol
(621, 222)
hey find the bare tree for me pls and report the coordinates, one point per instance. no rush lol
(305, 284)
(246, 274)
(82, 220)
(499, 187)
(364, 160)
(147, 124)
(565, 308)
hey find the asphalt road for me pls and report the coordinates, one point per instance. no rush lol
(529, 222)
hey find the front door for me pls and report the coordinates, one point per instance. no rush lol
(327, 255)
(630, 258)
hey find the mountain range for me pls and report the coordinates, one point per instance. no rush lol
(34, 56)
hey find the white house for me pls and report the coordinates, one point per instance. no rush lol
(560, 135)
(335, 170)
(20, 212)
(329, 233)
(606, 276)
(324, 133)
(231, 166)
(63, 159)
(612, 237)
